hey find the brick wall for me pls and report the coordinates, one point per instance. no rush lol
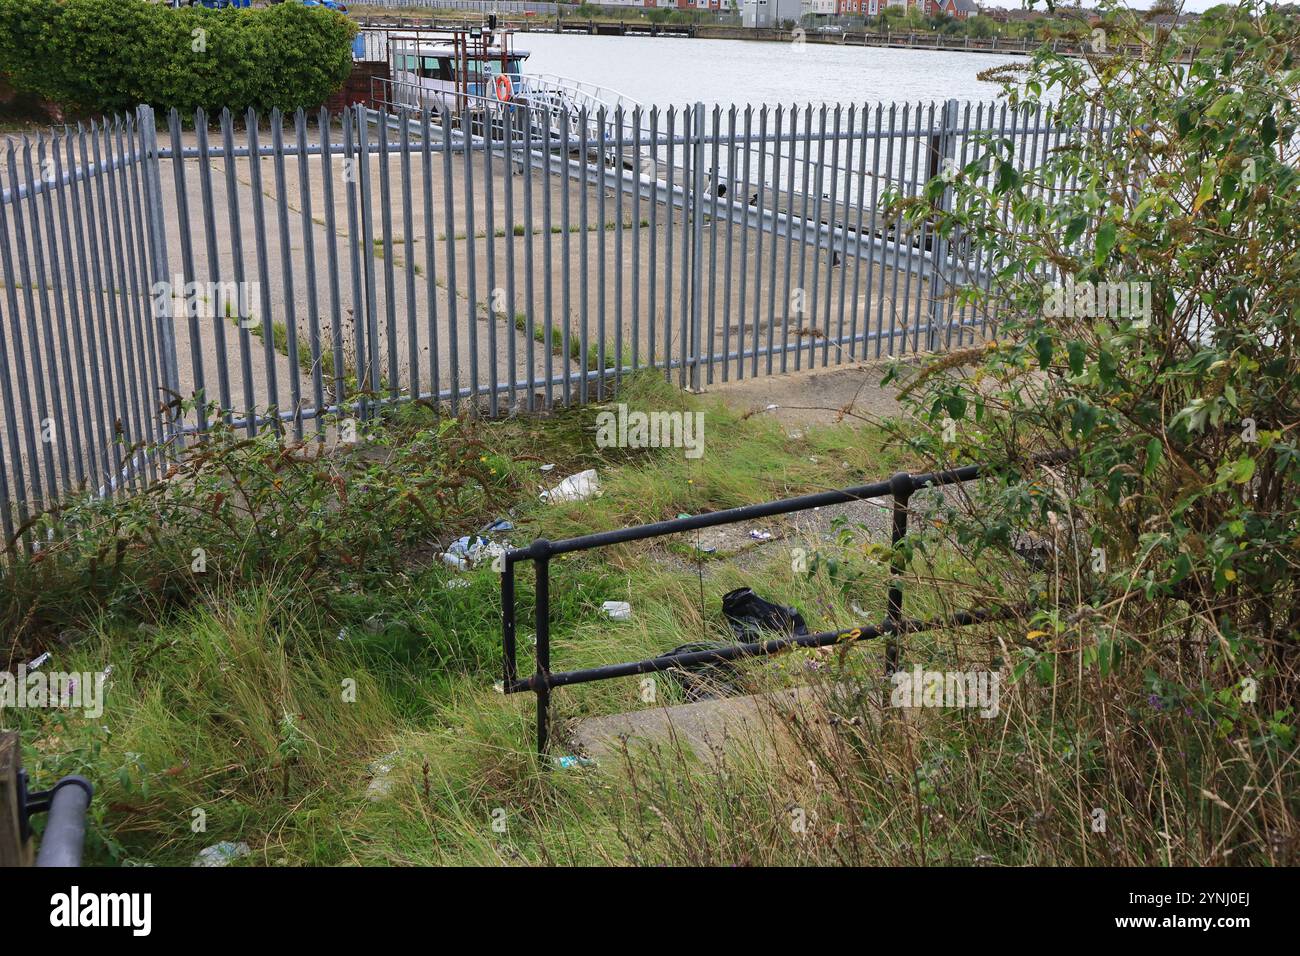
(356, 89)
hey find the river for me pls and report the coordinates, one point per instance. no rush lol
(676, 71)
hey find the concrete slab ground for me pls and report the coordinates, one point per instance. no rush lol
(851, 394)
(708, 729)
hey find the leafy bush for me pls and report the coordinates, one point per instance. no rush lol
(1144, 277)
(105, 56)
(236, 509)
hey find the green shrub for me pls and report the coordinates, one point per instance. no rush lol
(104, 56)
(1177, 523)
(255, 509)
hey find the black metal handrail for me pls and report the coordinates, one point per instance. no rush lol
(900, 488)
(66, 803)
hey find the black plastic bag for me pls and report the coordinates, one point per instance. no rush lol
(752, 619)
(708, 680)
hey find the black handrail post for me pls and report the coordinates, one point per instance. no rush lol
(508, 621)
(542, 621)
(900, 487)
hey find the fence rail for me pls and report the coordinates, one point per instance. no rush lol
(900, 488)
(286, 272)
(473, 6)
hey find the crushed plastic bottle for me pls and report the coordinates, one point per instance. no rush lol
(470, 551)
(221, 854)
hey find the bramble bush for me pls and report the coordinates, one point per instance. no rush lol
(1145, 282)
(233, 510)
(103, 56)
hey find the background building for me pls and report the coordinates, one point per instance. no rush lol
(957, 9)
(770, 13)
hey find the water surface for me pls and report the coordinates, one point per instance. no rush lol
(677, 71)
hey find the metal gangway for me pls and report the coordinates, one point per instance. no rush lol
(566, 102)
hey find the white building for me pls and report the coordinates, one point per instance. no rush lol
(822, 8)
(770, 13)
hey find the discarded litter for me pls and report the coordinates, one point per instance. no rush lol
(468, 547)
(457, 583)
(221, 854)
(579, 487)
(568, 763)
(499, 526)
(750, 615)
(546, 468)
(382, 783)
(761, 535)
(468, 552)
(771, 408)
(499, 686)
(750, 618)
(455, 561)
(40, 661)
(705, 680)
(617, 610)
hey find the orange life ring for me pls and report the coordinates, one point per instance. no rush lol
(505, 89)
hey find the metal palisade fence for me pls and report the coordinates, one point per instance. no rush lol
(474, 6)
(292, 271)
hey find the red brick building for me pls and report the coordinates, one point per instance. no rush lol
(957, 9)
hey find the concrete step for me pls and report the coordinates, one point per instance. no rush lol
(709, 728)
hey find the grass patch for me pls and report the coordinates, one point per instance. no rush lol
(231, 698)
(335, 706)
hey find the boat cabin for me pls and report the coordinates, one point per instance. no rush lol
(453, 69)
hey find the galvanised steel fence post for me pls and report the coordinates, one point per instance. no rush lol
(947, 157)
(697, 239)
(151, 168)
